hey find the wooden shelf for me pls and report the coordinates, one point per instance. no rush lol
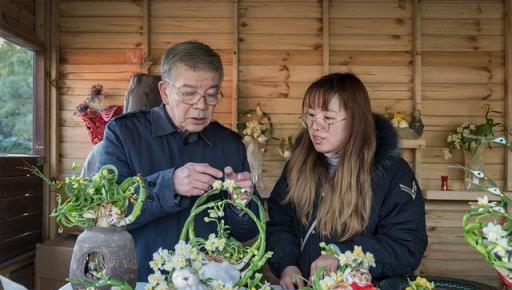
(456, 195)
(412, 143)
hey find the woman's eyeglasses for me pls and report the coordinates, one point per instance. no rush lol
(324, 124)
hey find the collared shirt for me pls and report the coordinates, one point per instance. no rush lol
(148, 143)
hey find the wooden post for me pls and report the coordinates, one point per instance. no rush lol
(146, 34)
(234, 94)
(54, 105)
(41, 103)
(325, 29)
(416, 54)
(508, 84)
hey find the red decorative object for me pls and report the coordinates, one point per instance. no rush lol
(356, 286)
(94, 117)
(96, 121)
(444, 182)
(506, 281)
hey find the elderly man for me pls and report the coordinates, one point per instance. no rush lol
(180, 151)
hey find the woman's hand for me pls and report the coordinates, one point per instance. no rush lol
(291, 278)
(329, 262)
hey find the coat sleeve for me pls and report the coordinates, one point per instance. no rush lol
(400, 238)
(282, 236)
(161, 198)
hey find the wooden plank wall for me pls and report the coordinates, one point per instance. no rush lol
(98, 44)
(285, 45)
(462, 68)
(280, 55)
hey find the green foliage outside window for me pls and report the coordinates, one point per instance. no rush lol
(16, 99)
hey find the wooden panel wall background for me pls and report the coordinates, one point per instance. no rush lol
(283, 46)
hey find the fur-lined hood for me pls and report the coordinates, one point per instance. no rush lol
(388, 149)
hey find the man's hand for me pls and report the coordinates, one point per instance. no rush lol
(242, 179)
(290, 278)
(194, 178)
(329, 262)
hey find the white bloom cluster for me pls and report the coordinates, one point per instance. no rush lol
(484, 205)
(253, 128)
(353, 268)
(214, 244)
(333, 281)
(184, 256)
(499, 238)
(458, 139)
(357, 259)
(216, 213)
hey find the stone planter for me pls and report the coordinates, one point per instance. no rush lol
(117, 248)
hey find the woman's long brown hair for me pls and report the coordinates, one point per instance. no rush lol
(346, 196)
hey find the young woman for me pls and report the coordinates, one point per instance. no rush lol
(345, 184)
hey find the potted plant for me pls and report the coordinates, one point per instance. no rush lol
(99, 205)
(488, 226)
(219, 262)
(256, 129)
(474, 141)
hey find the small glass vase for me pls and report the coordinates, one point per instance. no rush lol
(474, 160)
(255, 159)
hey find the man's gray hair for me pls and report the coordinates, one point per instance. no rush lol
(192, 54)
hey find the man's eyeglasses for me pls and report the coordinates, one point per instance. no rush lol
(324, 124)
(192, 97)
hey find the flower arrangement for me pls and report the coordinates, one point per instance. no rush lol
(96, 201)
(352, 273)
(256, 125)
(397, 118)
(420, 284)
(94, 116)
(219, 262)
(488, 226)
(257, 129)
(464, 136)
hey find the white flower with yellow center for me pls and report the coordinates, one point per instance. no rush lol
(220, 243)
(182, 248)
(327, 283)
(265, 286)
(210, 243)
(158, 261)
(484, 200)
(193, 254)
(347, 258)
(179, 262)
(229, 185)
(156, 279)
(369, 259)
(217, 285)
(358, 253)
(217, 184)
(493, 232)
